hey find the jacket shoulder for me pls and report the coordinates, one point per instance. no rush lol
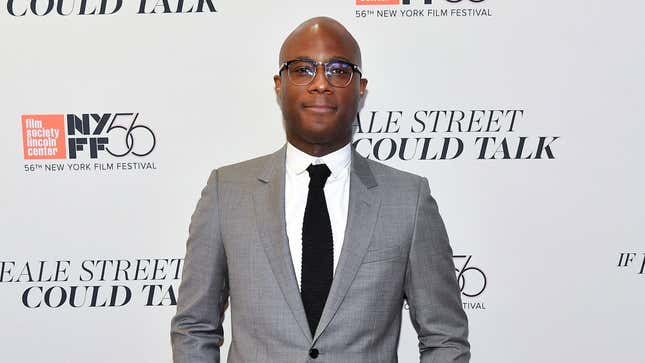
(386, 175)
(245, 171)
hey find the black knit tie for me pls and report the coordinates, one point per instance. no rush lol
(317, 247)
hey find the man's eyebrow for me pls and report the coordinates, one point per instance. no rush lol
(305, 58)
(337, 57)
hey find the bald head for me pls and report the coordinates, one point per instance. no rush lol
(316, 31)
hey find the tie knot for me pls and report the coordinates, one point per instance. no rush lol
(318, 175)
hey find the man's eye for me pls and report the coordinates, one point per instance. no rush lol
(303, 70)
(338, 71)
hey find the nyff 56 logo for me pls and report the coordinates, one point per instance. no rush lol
(90, 134)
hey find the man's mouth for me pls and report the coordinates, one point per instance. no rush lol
(319, 107)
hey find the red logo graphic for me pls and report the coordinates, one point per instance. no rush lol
(378, 2)
(43, 136)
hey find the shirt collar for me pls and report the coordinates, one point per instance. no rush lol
(297, 160)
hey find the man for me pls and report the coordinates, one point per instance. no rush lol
(316, 246)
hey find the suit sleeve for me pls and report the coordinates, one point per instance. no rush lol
(196, 330)
(431, 288)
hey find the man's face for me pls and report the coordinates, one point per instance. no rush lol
(319, 113)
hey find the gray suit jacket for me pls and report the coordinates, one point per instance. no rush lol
(395, 246)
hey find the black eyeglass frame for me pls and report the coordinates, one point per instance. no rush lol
(355, 68)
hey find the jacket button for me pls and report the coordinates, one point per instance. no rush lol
(313, 353)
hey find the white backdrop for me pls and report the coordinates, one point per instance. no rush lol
(555, 230)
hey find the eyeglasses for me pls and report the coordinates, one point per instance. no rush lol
(302, 71)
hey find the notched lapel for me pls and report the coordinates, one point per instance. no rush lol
(364, 203)
(268, 201)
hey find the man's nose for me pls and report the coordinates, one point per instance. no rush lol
(320, 82)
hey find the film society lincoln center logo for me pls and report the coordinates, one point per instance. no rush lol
(87, 137)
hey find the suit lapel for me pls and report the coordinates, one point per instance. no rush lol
(362, 213)
(269, 210)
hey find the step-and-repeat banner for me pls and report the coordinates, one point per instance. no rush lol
(526, 116)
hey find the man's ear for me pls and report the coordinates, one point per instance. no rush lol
(363, 85)
(277, 82)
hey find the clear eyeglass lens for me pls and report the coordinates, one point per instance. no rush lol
(301, 72)
(339, 73)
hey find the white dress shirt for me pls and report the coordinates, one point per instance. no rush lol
(295, 198)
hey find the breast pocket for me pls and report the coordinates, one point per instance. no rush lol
(382, 254)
